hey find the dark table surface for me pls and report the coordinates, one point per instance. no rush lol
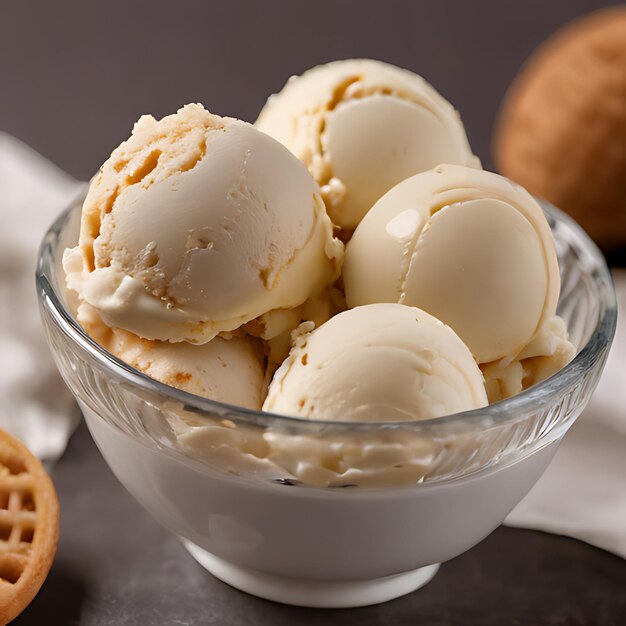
(115, 566)
(74, 75)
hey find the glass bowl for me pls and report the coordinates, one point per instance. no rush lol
(327, 514)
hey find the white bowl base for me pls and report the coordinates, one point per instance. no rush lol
(312, 593)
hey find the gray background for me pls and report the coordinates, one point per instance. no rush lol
(74, 75)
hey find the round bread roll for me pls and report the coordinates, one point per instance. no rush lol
(562, 127)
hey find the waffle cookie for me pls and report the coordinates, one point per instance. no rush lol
(29, 526)
(562, 127)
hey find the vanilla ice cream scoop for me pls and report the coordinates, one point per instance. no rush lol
(361, 126)
(544, 356)
(196, 225)
(226, 370)
(470, 247)
(382, 362)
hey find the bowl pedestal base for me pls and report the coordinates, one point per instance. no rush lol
(312, 593)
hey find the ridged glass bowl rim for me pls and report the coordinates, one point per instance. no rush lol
(499, 413)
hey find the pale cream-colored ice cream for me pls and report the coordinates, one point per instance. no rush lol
(382, 362)
(362, 126)
(384, 458)
(318, 309)
(227, 370)
(381, 459)
(470, 247)
(543, 357)
(198, 224)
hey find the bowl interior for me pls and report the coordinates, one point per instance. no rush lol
(443, 449)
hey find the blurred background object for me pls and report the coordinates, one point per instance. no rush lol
(562, 130)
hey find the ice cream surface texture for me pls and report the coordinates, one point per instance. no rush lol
(227, 370)
(544, 356)
(382, 362)
(211, 259)
(361, 126)
(198, 224)
(470, 247)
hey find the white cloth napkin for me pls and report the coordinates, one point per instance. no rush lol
(583, 492)
(34, 403)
